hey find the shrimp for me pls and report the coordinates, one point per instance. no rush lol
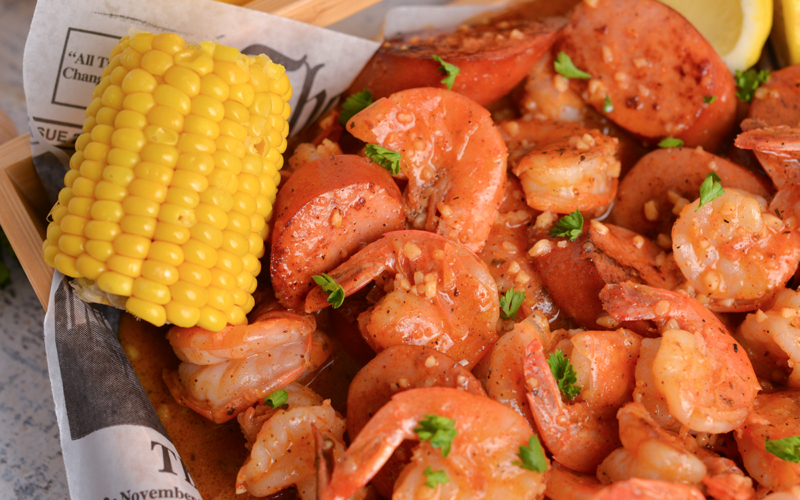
(733, 251)
(307, 152)
(648, 489)
(777, 149)
(220, 392)
(773, 336)
(563, 167)
(439, 294)
(564, 484)
(399, 368)
(274, 328)
(448, 145)
(548, 96)
(581, 434)
(706, 380)
(774, 417)
(507, 260)
(481, 461)
(283, 451)
(253, 418)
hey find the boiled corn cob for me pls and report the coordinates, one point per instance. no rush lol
(166, 201)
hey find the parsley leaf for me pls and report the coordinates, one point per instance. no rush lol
(510, 302)
(570, 225)
(386, 158)
(334, 290)
(439, 430)
(435, 477)
(709, 99)
(450, 70)
(710, 189)
(670, 142)
(748, 81)
(565, 374)
(565, 67)
(354, 105)
(277, 398)
(532, 456)
(786, 449)
(607, 106)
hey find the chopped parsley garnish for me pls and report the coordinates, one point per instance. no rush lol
(510, 302)
(709, 99)
(532, 457)
(670, 142)
(450, 70)
(786, 449)
(565, 67)
(435, 477)
(277, 398)
(440, 431)
(354, 105)
(710, 189)
(386, 158)
(748, 81)
(570, 225)
(332, 288)
(564, 374)
(607, 106)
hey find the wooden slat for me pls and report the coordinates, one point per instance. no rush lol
(20, 216)
(317, 12)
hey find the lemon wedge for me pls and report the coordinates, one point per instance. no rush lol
(786, 35)
(737, 29)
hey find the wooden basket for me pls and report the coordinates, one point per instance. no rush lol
(24, 204)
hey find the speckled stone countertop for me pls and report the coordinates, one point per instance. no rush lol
(31, 465)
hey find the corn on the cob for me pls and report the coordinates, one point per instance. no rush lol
(173, 180)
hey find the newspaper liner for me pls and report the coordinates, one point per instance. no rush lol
(114, 445)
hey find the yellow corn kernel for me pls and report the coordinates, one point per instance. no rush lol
(192, 273)
(189, 294)
(182, 315)
(152, 313)
(150, 291)
(172, 233)
(135, 224)
(115, 283)
(160, 272)
(174, 176)
(89, 267)
(211, 319)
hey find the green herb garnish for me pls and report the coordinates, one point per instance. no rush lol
(386, 158)
(332, 288)
(532, 457)
(670, 142)
(709, 99)
(786, 449)
(450, 70)
(710, 189)
(277, 398)
(748, 81)
(607, 106)
(440, 431)
(354, 105)
(510, 302)
(570, 225)
(564, 374)
(565, 67)
(435, 477)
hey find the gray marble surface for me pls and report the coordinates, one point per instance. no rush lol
(31, 465)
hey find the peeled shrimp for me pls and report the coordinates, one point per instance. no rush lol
(704, 377)
(774, 416)
(773, 336)
(253, 418)
(437, 294)
(648, 489)
(220, 392)
(448, 145)
(563, 166)
(283, 452)
(734, 252)
(274, 328)
(582, 433)
(480, 463)
(399, 368)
